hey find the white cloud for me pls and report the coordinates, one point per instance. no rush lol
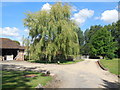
(8, 31)
(26, 30)
(46, 7)
(96, 18)
(74, 8)
(82, 15)
(109, 16)
(11, 32)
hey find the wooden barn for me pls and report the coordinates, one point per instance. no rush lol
(10, 50)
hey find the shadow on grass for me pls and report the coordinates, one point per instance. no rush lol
(111, 85)
(16, 79)
(59, 58)
(54, 62)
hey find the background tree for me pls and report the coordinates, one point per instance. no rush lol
(52, 32)
(90, 32)
(80, 36)
(17, 42)
(27, 47)
(87, 36)
(115, 32)
(101, 40)
(103, 44)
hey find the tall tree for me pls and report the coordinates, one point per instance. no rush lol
(52, 32)
(27, 47)
(90, 32)
(115, 31)
(80, 36)
(103, 44)
(87, 36)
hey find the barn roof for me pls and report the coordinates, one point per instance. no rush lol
(6, 43)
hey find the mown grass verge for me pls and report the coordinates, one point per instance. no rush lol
(71, 62)
(112, 65)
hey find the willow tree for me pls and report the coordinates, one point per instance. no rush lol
(52, 32)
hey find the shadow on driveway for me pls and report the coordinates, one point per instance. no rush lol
(111, 85)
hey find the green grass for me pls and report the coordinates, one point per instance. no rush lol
(61, 62)
(71, 62)
(111, 65)
(16, 79)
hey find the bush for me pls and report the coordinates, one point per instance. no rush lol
(110, 56)
(70, 58)
(26, 57)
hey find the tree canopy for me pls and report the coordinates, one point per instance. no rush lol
(103, 44)
(101, 40)
(52, 32)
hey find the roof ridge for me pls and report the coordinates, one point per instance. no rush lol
(11, 44)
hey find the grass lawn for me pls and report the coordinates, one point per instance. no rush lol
(61, 62)
(71, 62)
(111, 65)
(16, 79)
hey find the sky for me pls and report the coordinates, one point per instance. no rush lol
(84, 14)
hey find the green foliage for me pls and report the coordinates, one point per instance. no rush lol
(103, 44)
(115, 32)
(90, 32)
(26, 43)
(100, 41)
(85, 49)
(71, 62)
(52, 33)
(59, 62)
(80, 36)
(17, 42)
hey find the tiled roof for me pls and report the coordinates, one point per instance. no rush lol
(6, 43)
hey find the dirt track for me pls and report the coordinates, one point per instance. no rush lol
(85, 74)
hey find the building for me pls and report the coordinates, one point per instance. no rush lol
(10, 50)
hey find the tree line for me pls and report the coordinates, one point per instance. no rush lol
(54, 36)
(102, 41)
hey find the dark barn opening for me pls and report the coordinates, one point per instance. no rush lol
(11, 50)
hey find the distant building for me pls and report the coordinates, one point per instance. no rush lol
(10, 50)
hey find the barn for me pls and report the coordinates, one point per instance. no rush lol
(10, 50)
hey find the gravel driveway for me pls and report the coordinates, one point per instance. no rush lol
(85, 74)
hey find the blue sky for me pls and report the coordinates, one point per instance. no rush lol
(84, 13)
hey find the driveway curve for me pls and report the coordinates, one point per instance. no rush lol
(85, 74)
